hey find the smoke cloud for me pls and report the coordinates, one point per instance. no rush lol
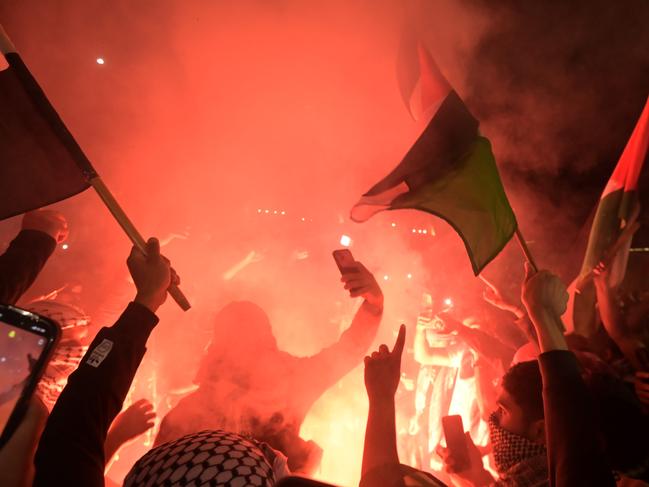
(241, 133)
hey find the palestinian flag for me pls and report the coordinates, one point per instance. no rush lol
(617, 205)
(449, 172)
(41, 161)
(620, 196)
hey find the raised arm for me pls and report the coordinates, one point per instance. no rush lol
(71, 449)
(573, 441)
(26, 255)
(488, 348)
(382, 373)
(614, 321)
(134, 421)
(333, 362)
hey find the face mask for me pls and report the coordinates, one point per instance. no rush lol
(510, 449)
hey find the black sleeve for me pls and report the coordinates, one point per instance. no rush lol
(71, 449)
(22, 262)
(574, 444)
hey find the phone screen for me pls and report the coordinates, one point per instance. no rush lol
(344, 260)
(456, 440)
(26, 341)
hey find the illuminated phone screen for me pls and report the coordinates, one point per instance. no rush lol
(20, 350)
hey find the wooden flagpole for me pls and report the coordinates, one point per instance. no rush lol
(526, 251)
(127, 225)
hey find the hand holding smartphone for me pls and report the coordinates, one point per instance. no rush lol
(456, 441)
(26, 343)
(344, 260)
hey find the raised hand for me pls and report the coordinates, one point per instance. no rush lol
(152, 275)
(494, 297)
(135, 420)
(383, 369)
(492, 294)
(361, 283)
(50, 222)
(543, 291)
(474, 474)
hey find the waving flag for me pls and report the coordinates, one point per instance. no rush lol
(617, 206)
(41, 162)
(450, 170)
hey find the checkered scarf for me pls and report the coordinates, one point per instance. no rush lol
(65, 360)
(513, 454)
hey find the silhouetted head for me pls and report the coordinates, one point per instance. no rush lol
(241, 331)
(243, 324)
(520, 403)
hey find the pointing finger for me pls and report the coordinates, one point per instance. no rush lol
(399, 344)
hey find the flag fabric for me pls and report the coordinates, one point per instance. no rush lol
(40, 162)
(617, 205)
(620, 195)
(421, 83)
(449, 172)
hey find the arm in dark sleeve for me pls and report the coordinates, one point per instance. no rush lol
(574, 444)
(22, 262)
(71, 449)
(488, 347)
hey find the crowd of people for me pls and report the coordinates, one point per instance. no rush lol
(551, 408)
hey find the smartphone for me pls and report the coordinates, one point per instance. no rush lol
(344, 260)
(456, 441)
(26, 344)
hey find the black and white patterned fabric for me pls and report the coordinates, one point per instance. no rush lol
(207, 458)
(69, 351)
(510, 449)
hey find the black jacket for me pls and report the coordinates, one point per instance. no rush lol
(71, 449)
(22, 262)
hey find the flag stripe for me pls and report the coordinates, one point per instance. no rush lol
(37, 167)
(49, 114)
(447, 137)
(473, 201)
(370, 205)
(627, 170)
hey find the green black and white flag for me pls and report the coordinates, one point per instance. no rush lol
(449, 172)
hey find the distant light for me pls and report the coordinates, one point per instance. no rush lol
(12, 334)
(414, 230)
(393, 225)
(303, 219)
(424, 231)
(345, 240)
(259, 210)
(275, 212)
(283, 212)
(100, 60)
(409, 276)
(386, 277)
(266, 211)
(65, 246)
(448, 302)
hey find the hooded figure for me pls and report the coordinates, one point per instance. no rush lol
(247, 385)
